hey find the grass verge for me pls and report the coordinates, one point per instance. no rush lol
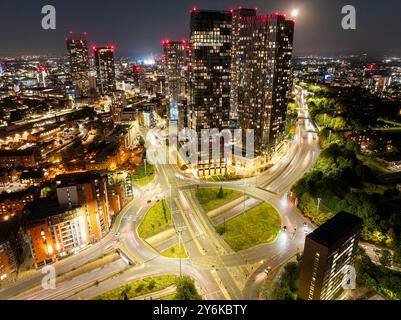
(174, 252)
(156, 220)
(209, 198)
(258, 225)
(138, 288)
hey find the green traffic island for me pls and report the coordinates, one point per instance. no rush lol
(211, 198)
(185, 289)
(226, 177)
(143, 176)
(156, 220)
(175, 252)
(139, 288)
(256, 226)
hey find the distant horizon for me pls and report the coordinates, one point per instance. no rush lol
(138, 27)
(122, 55)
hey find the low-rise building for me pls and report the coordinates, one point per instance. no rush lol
(54, 231)
(28, 158)
(11, 247)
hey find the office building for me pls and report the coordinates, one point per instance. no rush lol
(105, 68)
(328, 257)
(79, 64)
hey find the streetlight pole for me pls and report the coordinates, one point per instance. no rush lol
(244, 196)
(318, 206)
(179, 251)
(145, 161)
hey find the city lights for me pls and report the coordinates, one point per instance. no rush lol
(203, 153)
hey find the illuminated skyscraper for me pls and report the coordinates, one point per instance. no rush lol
(264, 60)
(209, 70)
(79, 64)
(106, 74)
(175, 64)
(237, 54)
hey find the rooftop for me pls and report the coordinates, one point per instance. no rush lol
(43, 208)
(11, 153)
(335, 228)
(66, 180)
(8, 229)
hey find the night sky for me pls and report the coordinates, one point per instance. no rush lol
(137, 27)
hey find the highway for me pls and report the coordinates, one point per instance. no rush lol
(219, 272)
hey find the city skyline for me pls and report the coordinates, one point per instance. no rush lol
(126, 23)
(227, 167)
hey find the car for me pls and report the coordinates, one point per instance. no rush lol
(117, 234)
(267, 270)
(149, 201)
(285, 228)
(305, 225)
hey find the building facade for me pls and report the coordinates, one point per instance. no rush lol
(54, 231)
(28, 158)
(176, 63)
(79, 64)
(328, 258)
(237, 52)
(264, 78)
(11, 248)
(88, 191)
(118, 103)
(210, 84)
(105, 68)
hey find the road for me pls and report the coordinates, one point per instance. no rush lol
(218, 271)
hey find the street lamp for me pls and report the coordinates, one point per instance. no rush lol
(179, 251)
(318, 206)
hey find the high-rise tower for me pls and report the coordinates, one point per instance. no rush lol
(264, 77)
(79, 63)
(175, 62)
(105, 68)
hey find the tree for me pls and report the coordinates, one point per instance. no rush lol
(152, 284)
(186, 289)
(220, 195)
(397, 256)
(124, 293)
(386, 258)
